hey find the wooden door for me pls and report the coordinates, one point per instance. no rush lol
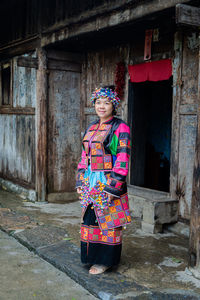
(64, 142)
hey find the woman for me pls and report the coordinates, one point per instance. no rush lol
(101, 184)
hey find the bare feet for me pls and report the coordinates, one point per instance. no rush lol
(98, 269)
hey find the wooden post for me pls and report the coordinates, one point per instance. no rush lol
(177, 74)
(194, 247)
(41, 126)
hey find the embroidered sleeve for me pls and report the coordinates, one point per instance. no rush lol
(120, 145)
(81, 169)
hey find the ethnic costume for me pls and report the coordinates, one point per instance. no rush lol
(102, 170)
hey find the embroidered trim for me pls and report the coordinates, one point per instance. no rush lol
(95, 196)
(93, 234)
(99, 160)
(117, 214)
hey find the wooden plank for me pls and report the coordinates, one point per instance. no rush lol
(18, 48)
(1, 85)
(194, 244)
(63, 55)
(64, 143)
(71, 15)
(187, 133)
(190, 71)
(41, 126)
(10, 65)
(188, 109)
(11, 82)
(103, 21)
(17, 148)
(27, 62)
(64, 66)
(177, 83)
(24, 83)
(18, 182)
(187, 125)
(187, 15)
(17, 110)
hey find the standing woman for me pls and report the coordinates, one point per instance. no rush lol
(101, 183)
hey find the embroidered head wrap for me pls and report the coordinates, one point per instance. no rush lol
(107, 93)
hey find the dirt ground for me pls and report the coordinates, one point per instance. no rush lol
(156, 261)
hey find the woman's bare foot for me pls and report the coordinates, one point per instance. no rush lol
(98, 269)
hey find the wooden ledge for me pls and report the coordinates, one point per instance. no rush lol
(17, 110)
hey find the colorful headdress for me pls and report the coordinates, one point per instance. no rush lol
(106, 93)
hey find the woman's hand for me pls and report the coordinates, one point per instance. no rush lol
(110, 198)
(79, 190)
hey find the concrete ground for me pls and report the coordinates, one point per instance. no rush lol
(153, 266)
(25, 275)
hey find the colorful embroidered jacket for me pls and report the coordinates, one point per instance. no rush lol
(108, 148)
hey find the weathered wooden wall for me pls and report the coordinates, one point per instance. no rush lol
(34, 23)
(99, 70)
(64, 144)
(100, 66)
(17, 131)
(17, 148)
(24, 86)
(184, 111)
(19, 21)
(188, 121)
(194, 242)
(30, 17)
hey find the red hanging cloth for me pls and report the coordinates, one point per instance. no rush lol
(151, 71)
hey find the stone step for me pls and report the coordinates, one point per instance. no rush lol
(155, 208)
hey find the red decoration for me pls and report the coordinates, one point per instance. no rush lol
(120, 79)
(151, 71)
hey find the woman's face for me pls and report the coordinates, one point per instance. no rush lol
(103, 108)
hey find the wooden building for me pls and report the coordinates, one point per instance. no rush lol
(53, 54)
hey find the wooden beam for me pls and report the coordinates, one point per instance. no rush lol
(188, 109)
(19, 48)
(27, 62)
(187, 15)
(64, 65)
(41, 126)
(66, 56)
(105, 21)
(194, 246)
(17, 110)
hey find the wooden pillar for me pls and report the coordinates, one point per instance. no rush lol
(190, 16)
(194, 247)
(41, 126)
(177, 74)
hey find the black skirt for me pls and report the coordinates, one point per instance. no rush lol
(95, 245)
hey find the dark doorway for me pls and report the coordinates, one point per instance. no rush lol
(150, 116)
